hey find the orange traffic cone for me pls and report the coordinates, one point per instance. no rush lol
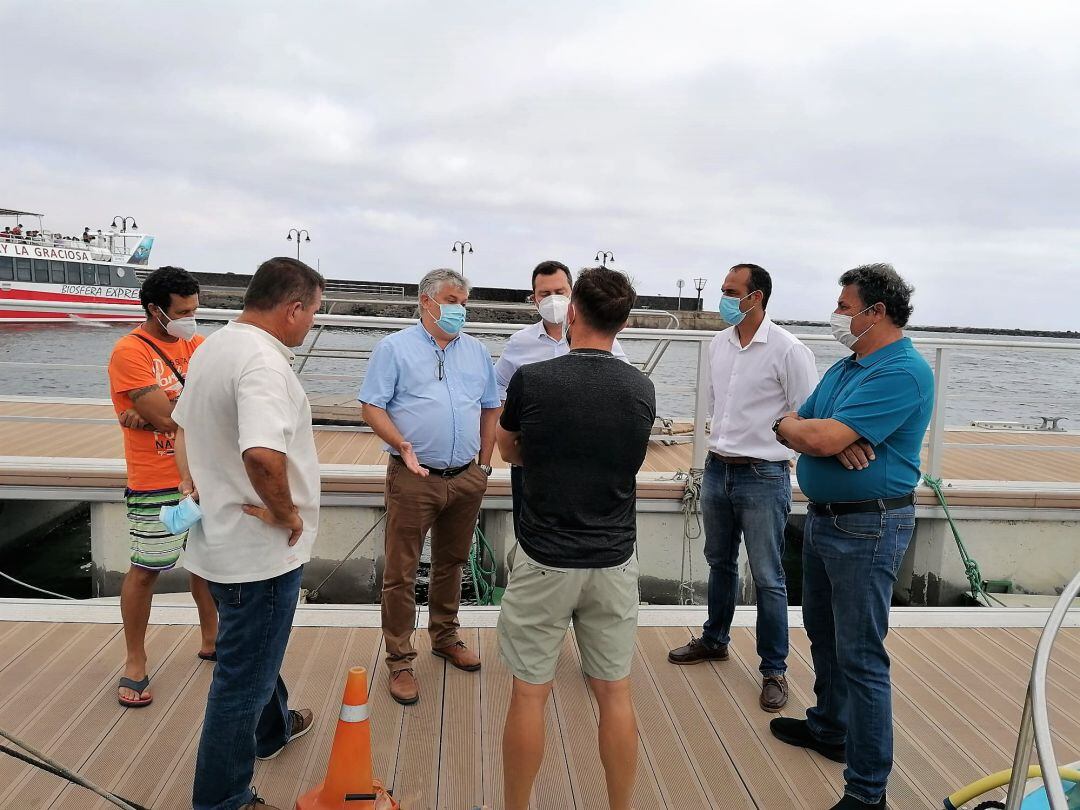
(349, 784)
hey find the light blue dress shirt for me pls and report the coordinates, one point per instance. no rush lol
(532, 345)
(433, 396)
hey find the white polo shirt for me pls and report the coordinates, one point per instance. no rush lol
(532, 345)
(242, 393)
(751, 387)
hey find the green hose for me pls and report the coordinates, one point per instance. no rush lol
(971, 568)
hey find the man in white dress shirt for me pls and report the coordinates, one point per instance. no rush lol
(759, 372)
(544, 340)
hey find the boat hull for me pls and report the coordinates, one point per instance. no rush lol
(27, 294)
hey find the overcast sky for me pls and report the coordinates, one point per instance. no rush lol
(683, 137)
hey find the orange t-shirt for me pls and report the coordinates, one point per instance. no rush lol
(134, 365)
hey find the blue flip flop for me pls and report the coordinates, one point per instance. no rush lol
(135, 686)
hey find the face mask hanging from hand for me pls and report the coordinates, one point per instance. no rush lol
(451, 318)
(553, 309)
(841, 328)
(178, 519)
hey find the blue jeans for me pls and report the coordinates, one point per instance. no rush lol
(754, 500)
(247, 710)
(849, 569)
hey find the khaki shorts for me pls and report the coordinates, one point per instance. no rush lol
(539, 604)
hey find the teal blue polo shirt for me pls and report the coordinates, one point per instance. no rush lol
(887, 398)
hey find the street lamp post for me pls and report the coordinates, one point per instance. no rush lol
(124, 222)
(604, 256)
(680, 284)
(299, 232)
(699, 285)
(459, 247)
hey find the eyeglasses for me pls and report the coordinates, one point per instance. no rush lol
(439, 368)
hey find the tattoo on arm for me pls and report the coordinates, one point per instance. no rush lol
(139, 393)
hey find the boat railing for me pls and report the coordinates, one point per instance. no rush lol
(1035, 722)
(941, 347)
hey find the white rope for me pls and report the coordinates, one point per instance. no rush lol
(692, 530)
(35, 588)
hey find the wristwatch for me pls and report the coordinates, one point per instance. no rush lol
(486, 468)
(776, 424)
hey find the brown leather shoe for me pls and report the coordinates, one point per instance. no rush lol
(302, 720)
(460, 656)
(404, 688)
(696, 651)
(774, 693)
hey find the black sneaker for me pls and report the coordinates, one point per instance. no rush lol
(851, 803)
(302, 721)
(796, 732)
(696, 651)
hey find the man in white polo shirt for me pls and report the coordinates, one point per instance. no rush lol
(246, 443)
(544, 340)
(759, 372)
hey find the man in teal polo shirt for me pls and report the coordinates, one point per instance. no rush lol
(860, 435)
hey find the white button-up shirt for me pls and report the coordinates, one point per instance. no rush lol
(531, 345)
(751, 387)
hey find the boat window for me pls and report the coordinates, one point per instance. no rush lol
(22, 270)
(72, 272)
(56, 272)
(41, 271)
(102, 275)
(7, 268)
(89, 274)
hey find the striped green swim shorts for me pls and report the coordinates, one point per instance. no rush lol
(152, 547)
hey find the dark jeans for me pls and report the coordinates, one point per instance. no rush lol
(752, 500)
(849, 569)
(517, 494)
(247, 711)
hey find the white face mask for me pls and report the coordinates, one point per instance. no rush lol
(841, 328)
(183, 328)
(553, 308)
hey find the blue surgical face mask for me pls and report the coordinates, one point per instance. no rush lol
(729, 309)
(451, 318)
(178, 519)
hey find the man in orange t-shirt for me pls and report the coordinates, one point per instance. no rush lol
(147, 370)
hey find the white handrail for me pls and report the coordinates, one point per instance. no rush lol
(681, 335)
(1034, 721)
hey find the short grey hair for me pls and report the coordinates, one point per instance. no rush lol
(434, 281)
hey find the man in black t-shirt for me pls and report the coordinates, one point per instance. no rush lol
(580, 427)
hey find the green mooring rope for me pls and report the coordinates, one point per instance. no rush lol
(483, 578)
(971, 568)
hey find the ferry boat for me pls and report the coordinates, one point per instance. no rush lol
(97, 268)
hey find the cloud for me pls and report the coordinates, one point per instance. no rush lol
(684, 137)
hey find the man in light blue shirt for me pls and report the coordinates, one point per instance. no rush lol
(544, 340)
(430, 394)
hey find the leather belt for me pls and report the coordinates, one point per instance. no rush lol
(736, 459)
(449, 472)
(852, 507)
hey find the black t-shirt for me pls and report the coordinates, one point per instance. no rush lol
(585, 420)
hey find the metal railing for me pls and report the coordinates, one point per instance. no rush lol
(1035, 722)
(941, 347)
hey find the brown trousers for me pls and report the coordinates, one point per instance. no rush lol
(448, 508)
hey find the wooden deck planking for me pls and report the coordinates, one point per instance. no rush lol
(704, 741)
(969, 454)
